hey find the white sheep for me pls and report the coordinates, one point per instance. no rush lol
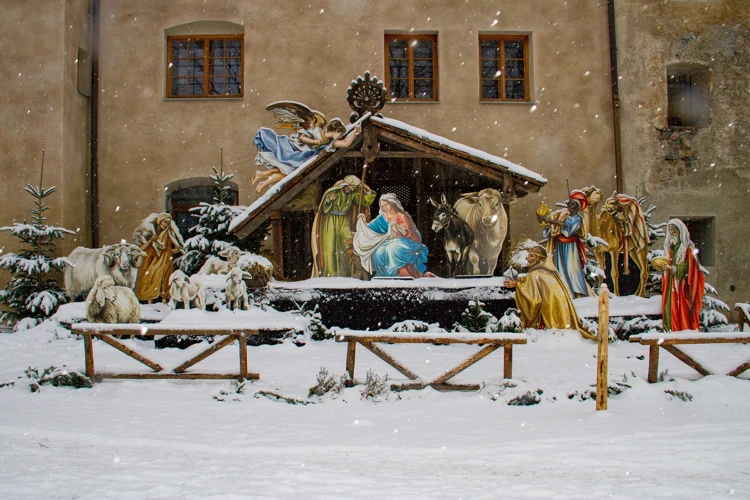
(236, 290)
(120, 261)
(215, 265)
(189, 291)
(109, 303)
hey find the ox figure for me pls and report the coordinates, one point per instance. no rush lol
(484, 213)
(457, 236)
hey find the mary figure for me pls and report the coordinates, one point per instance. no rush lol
(390, 245)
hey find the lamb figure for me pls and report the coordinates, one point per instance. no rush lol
(189, 291)
(236, 290)
(215, 265)
(110, 303)
(120, 261)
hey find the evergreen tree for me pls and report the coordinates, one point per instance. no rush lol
(474, 318)
(33, 293)
(212, 230)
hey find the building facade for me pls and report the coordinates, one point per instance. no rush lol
(530, 81)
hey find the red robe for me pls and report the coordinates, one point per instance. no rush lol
(682, 296)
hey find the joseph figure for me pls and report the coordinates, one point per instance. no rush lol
(543, 298)
(333, 224)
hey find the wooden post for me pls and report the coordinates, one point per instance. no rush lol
(88, 351)
(601, 358)
(351, 351)
(508, 361)
(653, 363)
(278, 247)
(242, 340)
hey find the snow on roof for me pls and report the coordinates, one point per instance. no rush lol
(423, 134)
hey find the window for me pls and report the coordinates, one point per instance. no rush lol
(703, 234)
(687, 95)
(185, 194)
(504, 67)
(204, 66)
(411, 67)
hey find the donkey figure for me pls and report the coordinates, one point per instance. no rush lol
(457, 236)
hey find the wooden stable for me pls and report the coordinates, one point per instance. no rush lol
(490, 342)
(109, 334)
(391, 157)
(669, 341)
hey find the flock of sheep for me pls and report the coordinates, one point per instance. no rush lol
(107, 277)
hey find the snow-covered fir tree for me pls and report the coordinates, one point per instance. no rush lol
(33, 292)
(211, 233)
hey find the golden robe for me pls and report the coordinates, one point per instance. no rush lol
(153, 276)
(544, 301)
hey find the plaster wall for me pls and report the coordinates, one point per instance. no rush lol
(311, 52)
(42, 110)
(716, 35)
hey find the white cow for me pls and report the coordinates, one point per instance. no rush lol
(485, 214)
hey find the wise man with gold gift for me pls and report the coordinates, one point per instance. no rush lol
(543, 298)
(565, 232)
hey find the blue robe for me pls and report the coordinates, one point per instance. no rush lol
(396, 253)
(284, 152)
(567, 256)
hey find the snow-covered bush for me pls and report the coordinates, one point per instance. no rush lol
(33, 292)
(56, 377)
(710, 314)
(315, 326)
(475, 319)
(327, 383)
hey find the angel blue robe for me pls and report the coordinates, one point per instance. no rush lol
(393, 254)
(567, 255)
(285, 152)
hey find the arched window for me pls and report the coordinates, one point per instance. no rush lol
(185, 194)
(687, 95)
(205, 59)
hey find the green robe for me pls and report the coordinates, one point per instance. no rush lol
(334, 223)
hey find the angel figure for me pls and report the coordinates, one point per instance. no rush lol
(283, 154)
(159, 237)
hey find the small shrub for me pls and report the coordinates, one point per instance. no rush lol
(684, 396)
(528, 398)
(56, 377)
(327, 382)
(375, 386)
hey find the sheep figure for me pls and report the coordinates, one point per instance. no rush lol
(189, 291)
(215, 265)
(120, 261)
(110, 303)
(236, 290)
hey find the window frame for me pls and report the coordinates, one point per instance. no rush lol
(206, 56)
(694, 107)
(409, 38)
(526, 39)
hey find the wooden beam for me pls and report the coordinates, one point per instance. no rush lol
(390, 154)
(88, 351)
(376, 337)
(130, 352)
(351, 352)
(464, 364)
(740, 369)
(242, 340)
(205, 353)
(184, 376)
(388, 359)
(682, 356)
(602, 355)
(508, 361)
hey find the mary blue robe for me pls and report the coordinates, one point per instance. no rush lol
(393, 254)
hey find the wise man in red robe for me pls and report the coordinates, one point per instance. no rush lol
(682, 280)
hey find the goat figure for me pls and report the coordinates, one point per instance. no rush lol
(457, 236)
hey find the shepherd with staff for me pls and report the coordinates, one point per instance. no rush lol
(333, 224)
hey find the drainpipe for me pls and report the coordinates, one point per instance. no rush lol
(95, 124)
(615, 93)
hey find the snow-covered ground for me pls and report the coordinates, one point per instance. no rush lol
(173, 439)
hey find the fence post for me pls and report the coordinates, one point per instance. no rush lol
(602, 353)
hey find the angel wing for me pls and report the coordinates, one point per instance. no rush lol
(295, 115)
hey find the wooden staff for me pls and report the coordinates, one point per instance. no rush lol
(361, 189)
(601, 359)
